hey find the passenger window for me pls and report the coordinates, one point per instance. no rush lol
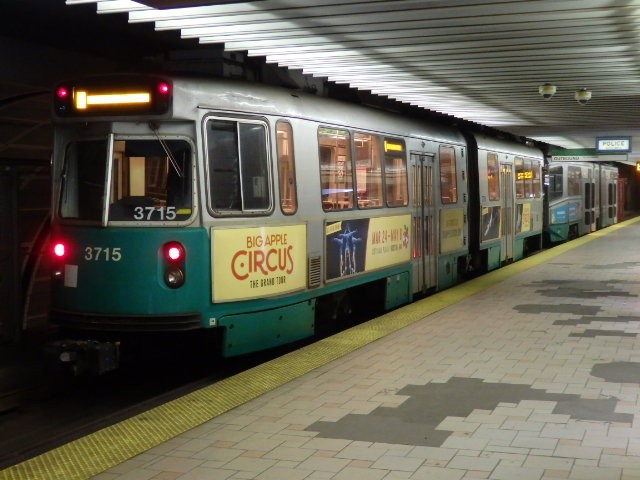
(520, 178)
(493, 177)
(555, 183)
(286, 168)
(238, 166)
(448, 180)
(336, 175)
(395, 173)
(573, 181)
(528, 179)
(368, 170)
(537, 179)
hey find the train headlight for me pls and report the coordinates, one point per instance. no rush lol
(174, 277)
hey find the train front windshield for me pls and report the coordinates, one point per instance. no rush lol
(147, 180)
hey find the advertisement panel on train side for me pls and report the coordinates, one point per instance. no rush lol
(258, 262)
(365, 244)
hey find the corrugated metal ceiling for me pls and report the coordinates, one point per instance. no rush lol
(481, 61)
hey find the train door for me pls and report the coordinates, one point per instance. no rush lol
(506, 218)
(610, 195)
(613, 200)
(621, 198)
(589, 202)
(424, 232)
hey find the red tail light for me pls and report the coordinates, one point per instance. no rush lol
(59, 250)
(174, 252)
(62, 92)
(164, 88)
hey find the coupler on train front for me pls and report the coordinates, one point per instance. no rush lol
(83, 357)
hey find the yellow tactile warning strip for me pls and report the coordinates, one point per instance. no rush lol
(110, 446)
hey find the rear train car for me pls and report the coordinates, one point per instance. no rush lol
(581, 198)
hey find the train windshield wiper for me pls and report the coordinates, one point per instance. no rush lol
(154, 128)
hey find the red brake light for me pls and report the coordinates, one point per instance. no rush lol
(59, 250)
(62, 92)
(164, 88)
(174, 252)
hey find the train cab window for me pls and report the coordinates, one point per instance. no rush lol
(555, 182)
(368, 170)
(151, 180)
(448, 178)
(395, 173)
(336, 175)
(238, 167)
(286, 168)
(493, 176)
(84, 180)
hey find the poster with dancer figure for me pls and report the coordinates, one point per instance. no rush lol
(364, 244)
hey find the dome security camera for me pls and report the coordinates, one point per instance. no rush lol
(547, 90)
(582, 96)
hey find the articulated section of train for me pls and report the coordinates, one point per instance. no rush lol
(183, 205)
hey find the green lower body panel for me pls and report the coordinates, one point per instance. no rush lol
(447, 271)
(558, 233)
(398, 290)
(249, 332)
(493, 258)
(518, 249)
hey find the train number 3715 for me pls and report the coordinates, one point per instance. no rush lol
(146, 213)
(97, 254)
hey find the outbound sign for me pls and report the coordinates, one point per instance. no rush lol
(588, 155)
(574, 155)
(613, 144)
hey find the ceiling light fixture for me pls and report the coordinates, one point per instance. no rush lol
(547, 90)
(582, 96)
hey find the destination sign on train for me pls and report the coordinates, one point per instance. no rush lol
(613, 144)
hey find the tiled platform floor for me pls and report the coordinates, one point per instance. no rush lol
(535, 378)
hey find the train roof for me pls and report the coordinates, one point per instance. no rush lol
(505, 146)
(258, 99)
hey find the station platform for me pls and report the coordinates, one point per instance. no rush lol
(530, 372)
